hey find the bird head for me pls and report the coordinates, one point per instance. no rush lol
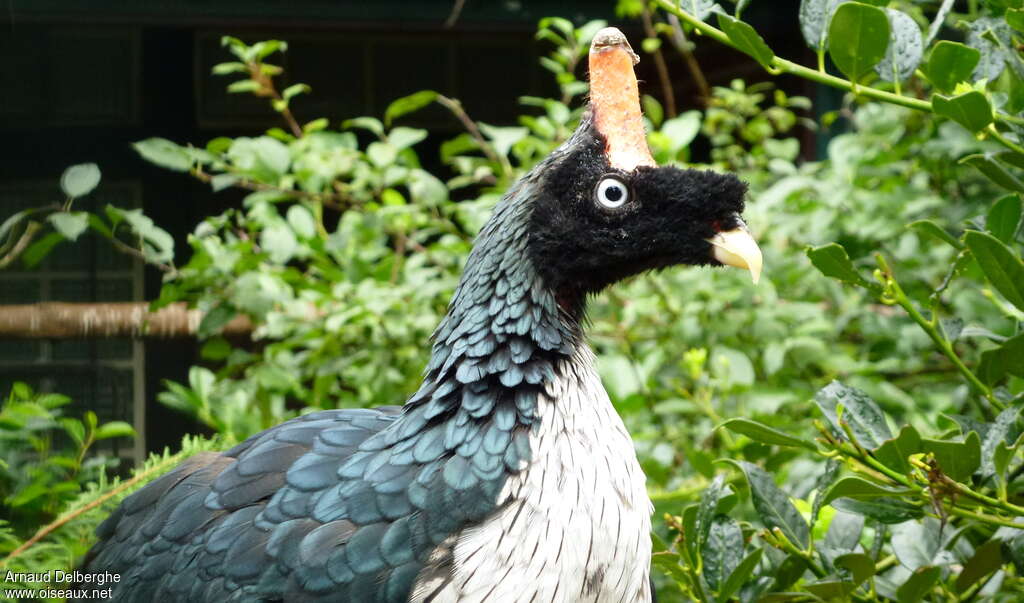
(603, 209)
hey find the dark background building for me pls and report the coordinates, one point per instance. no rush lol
(80, 81)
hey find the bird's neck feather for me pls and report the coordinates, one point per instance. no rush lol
(504, 337)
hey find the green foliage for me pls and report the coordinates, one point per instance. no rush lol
(912, 487)
(43, 456)
(61, 543)
(30, 235)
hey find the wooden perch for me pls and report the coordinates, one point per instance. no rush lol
(59, 320)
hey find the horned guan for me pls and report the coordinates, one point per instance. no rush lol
(508, 476)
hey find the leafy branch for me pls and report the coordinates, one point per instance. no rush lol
(745, 39)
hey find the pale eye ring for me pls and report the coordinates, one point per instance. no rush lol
(611, 192)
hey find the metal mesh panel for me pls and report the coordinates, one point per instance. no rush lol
(98, 375)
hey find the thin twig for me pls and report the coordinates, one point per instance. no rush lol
(455, 107)
(267, 89)
(26, 237)
(930, 327)
(454, 15)
(337, 201)
(685, 49)
(49, 528)
(940, 18)
(399, 256)
(135, 253)
(659, 64)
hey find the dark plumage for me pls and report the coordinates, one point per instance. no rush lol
(383, 505)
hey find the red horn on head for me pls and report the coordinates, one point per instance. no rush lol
(615, 100)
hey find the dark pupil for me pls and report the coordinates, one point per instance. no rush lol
(613, 193)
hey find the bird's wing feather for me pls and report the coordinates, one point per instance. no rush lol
(273, 518)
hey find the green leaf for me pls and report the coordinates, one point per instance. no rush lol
(1002, 432)
(916, 544)
(226, 68)
(316, 125)
(822, 483)
(859, 411)
(279, 241)
(883, 510)
(701, 9)
(650, 45)
(918, 585)
(294, 90)
(994, 171)
(958, 460)
(1003, 218)
(502, 139)
(971, 109)
(114, 429)
(1010, 157)
(831, 260)
(381, 154)
(987, 559)
(949, 64)
(766, 435)
(243, 86)
(215, 319)
(857, 38)
(860, 566)
(722, 552)
(786, 574)
(859, 488)
(815, 16)
(927, 227)
(708, 507)
(830, 589)
(1015, 18)
(365, 123)
(79, 180)
(70, 224)
(739, 576)
(215, 348)
(746, 39)
(671, 565)
(408, 104)
(893, 453)
(773, 505)
(844, 530)
(219, 145)
(653, 110)
(425, 188)
(905, 49)
(74, 428)
(262, 50)
(1002, 267)
(302, 222)
(158, 245)
(689, 523)
(403, 138)
(41, 248)
(992, 37)
(164, 153)
(1007, 359)
(52, 400)
(681, 130)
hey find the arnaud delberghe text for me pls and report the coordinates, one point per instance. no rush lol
(63, 577)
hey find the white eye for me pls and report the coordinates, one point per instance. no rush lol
(612, 193)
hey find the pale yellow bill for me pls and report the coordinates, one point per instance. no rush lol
(737, 248)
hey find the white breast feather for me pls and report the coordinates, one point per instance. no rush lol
(575, 525)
